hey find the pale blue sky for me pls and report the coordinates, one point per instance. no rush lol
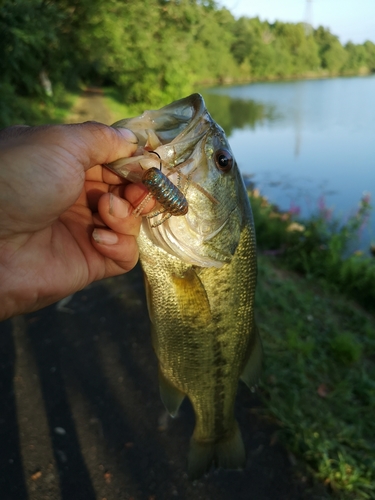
(348, 19)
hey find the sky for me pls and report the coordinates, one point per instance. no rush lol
(352, 20)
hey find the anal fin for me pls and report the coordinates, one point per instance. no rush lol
(170, 395)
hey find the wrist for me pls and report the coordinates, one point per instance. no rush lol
(16, 294)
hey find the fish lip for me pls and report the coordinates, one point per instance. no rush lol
(194, 131)
(189, 123)
(195, 101)
(199, 107)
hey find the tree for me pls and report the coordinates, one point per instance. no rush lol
(370, 49)
(357, 59)
(29, 42)
(332, 54)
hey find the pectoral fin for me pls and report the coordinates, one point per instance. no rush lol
(170, 395)
(253, 367)
(193, 302)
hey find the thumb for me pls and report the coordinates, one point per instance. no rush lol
(86, 144)
(94, 143)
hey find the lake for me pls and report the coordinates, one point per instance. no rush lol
(304, 142)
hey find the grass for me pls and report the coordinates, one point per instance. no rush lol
(319, 376)
(35, 111)
(115, 102)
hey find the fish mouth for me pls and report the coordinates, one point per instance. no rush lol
(177, 133)
(172, 131)
(177, 119)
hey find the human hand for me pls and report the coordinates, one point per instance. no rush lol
(65, 221)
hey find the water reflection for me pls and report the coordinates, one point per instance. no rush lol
(232, 113)
(303, 140)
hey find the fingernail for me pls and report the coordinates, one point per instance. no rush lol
(104, 237)
(118, 207)
(128, 135)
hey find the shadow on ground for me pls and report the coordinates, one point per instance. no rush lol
(81, 418)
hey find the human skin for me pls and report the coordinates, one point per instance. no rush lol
(65, 220)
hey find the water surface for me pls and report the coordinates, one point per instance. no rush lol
(304, 142)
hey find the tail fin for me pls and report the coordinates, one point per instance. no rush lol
(228, 453)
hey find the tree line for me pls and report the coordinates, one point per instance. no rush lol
(154, 51)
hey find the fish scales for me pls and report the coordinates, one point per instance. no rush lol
(190, 355)
(200, 278)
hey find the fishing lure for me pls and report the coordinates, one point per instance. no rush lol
(170, 197)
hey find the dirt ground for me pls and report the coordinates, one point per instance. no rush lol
(80, 413)
(91, 106)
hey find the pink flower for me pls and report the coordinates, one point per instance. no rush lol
(325, 212)
(294, 209)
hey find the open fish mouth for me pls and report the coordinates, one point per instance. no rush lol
(179, 141)
(171, 132)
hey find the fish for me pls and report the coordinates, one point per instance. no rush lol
(200, 272)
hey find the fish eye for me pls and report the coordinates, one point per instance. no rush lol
(223, 160)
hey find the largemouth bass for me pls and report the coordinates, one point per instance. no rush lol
(200, 276)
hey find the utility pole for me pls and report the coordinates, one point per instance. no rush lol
(308, 17)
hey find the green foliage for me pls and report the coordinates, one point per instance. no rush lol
(370, 50)
(16, 109)
(357, 59)
(27, 43)
(320, 246)
(346, 348)
(318, 379)
(154, 51)
(332, 54)
(299, 45)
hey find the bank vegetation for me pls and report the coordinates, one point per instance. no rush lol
(151, 52)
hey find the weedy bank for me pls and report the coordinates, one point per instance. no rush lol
(319, 375)
(36, 110)
(320, 247)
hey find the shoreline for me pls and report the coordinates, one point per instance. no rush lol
(324, 75)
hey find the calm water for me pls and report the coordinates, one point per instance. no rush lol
(304, 140)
